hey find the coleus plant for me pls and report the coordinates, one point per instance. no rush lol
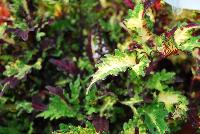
(146, 51)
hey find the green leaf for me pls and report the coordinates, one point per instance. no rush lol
(75, 88)
(184, 39)
(130, 126)
(160, 80)
(19, 69)
(154, 118)
(70, 129)
(91, 102)
(108, 105)
(135, 19)
(190, 44)
(58, 108)
(174, 102)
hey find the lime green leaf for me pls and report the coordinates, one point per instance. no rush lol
(154, 118)
(135, 19)
(130, 126)
(57, 108)
(19, 69)
(183, 38)
(160, 80)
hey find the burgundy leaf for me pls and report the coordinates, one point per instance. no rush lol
(171, 32)
(134, 45)
(65, 65)
(148, 4)
(55, 90)
(129, 3)
(19, 33)
(191, 25)
(101, 124)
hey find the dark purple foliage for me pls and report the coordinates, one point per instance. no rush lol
(134, 45)
(47, 43)
(171, 32)
(65, 65)
(20, 33)
(1, 42)
(55, 90)
(192, 25)
(11, 82)
(148, 4)
(37, 103)
(2, 69)
(101, 124)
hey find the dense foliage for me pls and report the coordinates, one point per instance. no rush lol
(98, 66)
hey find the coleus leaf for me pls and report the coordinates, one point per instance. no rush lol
(160, 80)
(149, 3)
(184, 39)
(55, 90)
(130, 126)
(135, 18)
(101, 124)
(112, 65)
(119, 62)
(174, 102)
(37, 103)
(10, 81)
(129, 3)
(19, 69)
(64, 65)
(57, 108)
(154, 118)
(20, 33)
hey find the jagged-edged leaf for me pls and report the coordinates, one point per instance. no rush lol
(154, 118)
(190, 44)
(112, 65)
(140, 67)
(75, 88)
(174, 102)
(132, 101)
(19, 69)
(135, 17)
(160, 80)
(58, 108)
(170, 98)
(130, 126)
(107, 106)
(70, 129)
(184, 39)
(63, 104)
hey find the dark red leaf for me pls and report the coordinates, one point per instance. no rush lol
(101, 124)
(129, 3)
(55, 90)
(11, 82)
(149, 3)
(65, 65)
(19, 33)
(37, 103)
